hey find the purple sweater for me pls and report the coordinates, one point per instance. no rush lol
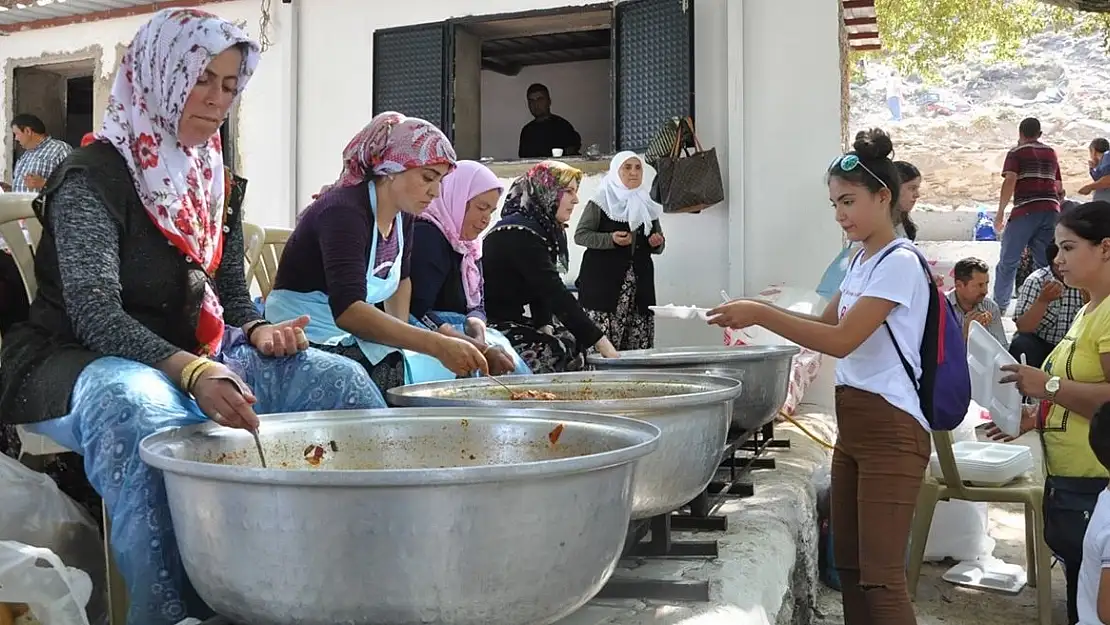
(330, 248)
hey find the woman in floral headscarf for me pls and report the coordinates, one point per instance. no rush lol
(447, 286)
(523, 257)
(348, 262)
(142, 319)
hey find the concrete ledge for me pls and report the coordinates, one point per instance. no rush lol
(767, 570)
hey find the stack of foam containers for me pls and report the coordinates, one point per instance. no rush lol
(988, 464)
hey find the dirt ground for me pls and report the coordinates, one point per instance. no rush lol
(939, 602)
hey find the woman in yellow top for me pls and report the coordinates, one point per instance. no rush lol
(1072, 386)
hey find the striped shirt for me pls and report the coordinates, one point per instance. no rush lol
(40, 160)
(1038, 178)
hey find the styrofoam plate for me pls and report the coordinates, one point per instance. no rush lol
(672, 311)
(985, 357)
(988, 574)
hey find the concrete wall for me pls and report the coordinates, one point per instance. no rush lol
(767, 95)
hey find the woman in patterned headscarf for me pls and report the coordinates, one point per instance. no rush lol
(524, 257)
(347, 263)
(142, 319)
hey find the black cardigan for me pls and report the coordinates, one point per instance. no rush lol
(437, 283)
(605, 264)
(519, 273)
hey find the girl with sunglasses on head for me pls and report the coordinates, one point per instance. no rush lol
(874, 325)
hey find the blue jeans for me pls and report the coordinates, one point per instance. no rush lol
(117, 402)
(895, 106)
(1035, 231)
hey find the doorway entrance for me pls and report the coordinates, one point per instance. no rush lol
(60, 94)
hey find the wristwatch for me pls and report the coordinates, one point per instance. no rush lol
(1051, 387)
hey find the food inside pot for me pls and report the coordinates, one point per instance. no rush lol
(464, 445)
(541, 395)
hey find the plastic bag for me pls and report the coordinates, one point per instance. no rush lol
(55, 593)
(807, 363)
(34, 512)
(834, 274)
(984, 227)
(959, 529)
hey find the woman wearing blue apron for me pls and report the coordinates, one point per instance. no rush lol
(347, 263)
(447, 274)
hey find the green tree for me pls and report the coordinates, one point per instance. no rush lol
(919, 36)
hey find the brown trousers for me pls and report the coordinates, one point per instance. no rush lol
(877, 470)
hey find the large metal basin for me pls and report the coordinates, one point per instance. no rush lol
(693, 411)
(764, 370)
(469, 517)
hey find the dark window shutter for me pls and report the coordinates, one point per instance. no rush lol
(653, 53)
(410, 74)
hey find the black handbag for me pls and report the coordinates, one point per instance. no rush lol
(687, 182)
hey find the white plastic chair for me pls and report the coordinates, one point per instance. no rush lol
(21, 230)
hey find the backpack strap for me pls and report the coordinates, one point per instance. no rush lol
(928, 276)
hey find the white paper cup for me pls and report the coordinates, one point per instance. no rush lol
(556, 152)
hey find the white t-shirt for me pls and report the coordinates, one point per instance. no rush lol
(874, 366)
(1096, 557)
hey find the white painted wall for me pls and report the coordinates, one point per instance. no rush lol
(767, 98)
(579, 94)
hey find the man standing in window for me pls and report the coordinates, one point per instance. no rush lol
(547, 131)
(1031, 177)
(42, 154)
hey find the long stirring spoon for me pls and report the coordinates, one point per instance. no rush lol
(258, 444)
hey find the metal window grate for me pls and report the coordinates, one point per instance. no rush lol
(409, 72)
(654, 71)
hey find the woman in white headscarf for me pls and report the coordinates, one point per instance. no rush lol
(620, 230)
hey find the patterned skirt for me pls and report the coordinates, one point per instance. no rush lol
(543, 353)
(627, 327)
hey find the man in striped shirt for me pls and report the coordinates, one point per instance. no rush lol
(42, 154)
(1031, 178)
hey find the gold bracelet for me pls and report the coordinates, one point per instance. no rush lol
(204, 366)
(189, 370)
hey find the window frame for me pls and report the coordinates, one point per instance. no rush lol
(447, 70)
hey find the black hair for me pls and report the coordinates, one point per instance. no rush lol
(1098, 435)
(966, 269)
(27, 121)
(1089, 221)
(1050, 252)
(538, 87)
(1100, 145)
(908, 172)
(1030, 128)
(877, 172)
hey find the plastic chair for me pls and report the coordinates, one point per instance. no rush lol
(17, 217)
(265, 265)
(254, 239)
(1028, 491)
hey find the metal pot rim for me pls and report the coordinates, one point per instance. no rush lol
(723, 389)
(696, 355)
(155, 450)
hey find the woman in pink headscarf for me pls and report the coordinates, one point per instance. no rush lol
(446, 272)
(348, 263)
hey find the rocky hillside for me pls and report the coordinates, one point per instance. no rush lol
(957, 130)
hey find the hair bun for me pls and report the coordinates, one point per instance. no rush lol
(873, 144)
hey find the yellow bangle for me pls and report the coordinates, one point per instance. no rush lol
(190, 371)
(204, 366)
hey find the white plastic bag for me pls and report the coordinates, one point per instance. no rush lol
(959, 529)
(807, 363)
(34, 512)
(56, 594)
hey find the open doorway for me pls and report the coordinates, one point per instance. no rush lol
(60, 94)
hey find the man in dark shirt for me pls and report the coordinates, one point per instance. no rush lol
(1031, 177)
(547, 131)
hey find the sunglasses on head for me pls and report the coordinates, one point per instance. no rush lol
(849, 162)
